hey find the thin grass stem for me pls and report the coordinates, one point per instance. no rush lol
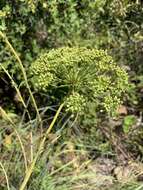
(41, 146)
(6, 176)
(6, 117)
(23, 72)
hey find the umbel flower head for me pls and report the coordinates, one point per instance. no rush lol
(80, 75)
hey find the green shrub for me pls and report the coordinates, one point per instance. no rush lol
(119, 29)
(112, 24)
(79, 76)
(31, 25)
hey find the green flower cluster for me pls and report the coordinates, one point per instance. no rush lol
(75, 103)
(81, 75)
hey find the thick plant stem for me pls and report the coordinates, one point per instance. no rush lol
(40, 148)
(23, 72)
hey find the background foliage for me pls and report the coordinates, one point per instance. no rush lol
(35, 26)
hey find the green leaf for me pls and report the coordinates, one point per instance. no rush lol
(128, 122)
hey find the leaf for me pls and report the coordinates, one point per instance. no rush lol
(8, 140)
(128, 122)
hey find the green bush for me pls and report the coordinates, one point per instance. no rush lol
(119, 29)
(31, 25)
(80, 76)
